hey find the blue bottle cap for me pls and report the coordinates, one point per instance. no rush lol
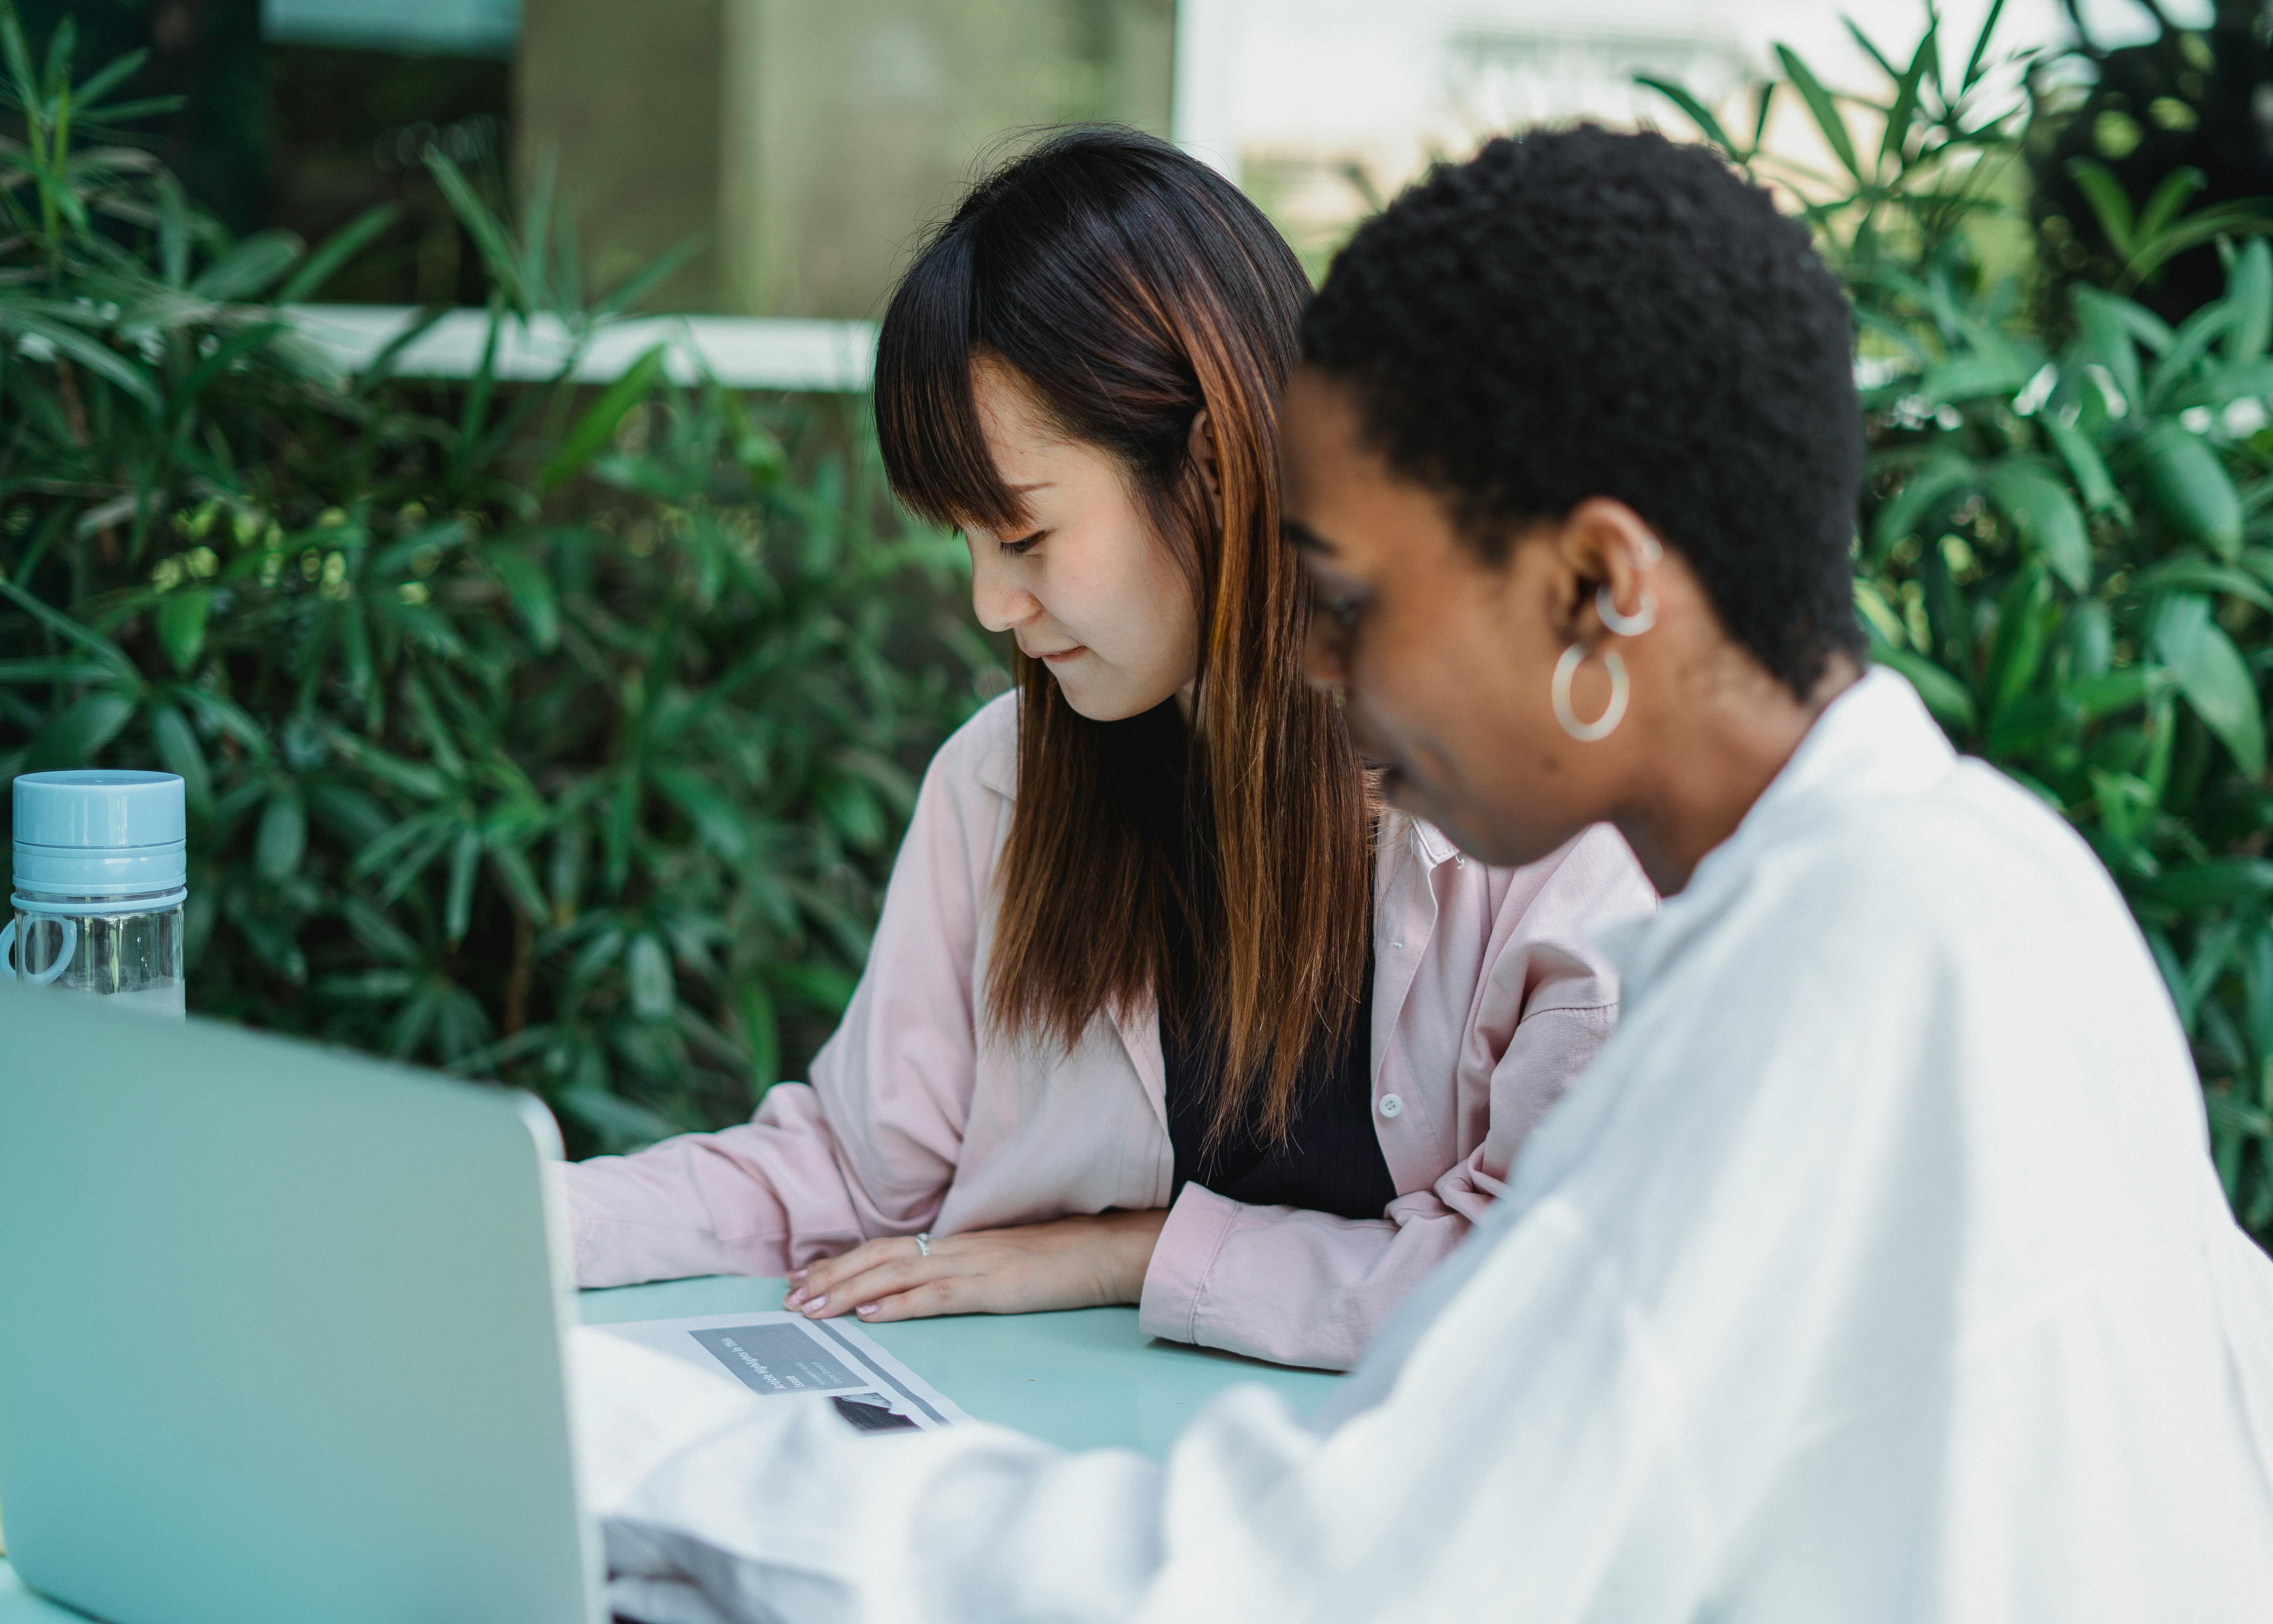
(99, 835)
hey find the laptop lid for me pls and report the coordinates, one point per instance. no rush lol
(280, 1332)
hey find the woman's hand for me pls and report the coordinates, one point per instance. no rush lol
(1082, 1262)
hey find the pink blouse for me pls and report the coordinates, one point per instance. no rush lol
(1488, 1000)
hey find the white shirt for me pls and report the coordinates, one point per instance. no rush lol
(1876, 1271)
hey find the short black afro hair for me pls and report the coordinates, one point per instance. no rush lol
(1579, 313)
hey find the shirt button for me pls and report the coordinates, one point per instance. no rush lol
(1390, 1105)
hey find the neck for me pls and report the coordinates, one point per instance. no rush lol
(1714, 760)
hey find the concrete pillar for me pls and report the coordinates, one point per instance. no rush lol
(813, 142)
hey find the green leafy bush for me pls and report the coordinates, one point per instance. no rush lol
(2066, 542)
(542, 733)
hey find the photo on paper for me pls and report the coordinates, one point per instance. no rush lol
(777, 1355)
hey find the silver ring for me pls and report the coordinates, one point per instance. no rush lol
(1606, 605)
(923, 1243)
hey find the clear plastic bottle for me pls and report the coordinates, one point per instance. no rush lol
(100, 876)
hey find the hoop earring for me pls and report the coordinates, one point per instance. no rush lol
(1604, 725)
(1625, 624)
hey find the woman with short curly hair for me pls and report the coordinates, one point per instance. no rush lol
(1875, 1272)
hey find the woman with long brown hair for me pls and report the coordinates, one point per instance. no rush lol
(1163, 1007)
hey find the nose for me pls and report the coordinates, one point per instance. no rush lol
(996, 598)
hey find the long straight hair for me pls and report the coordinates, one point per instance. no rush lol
(1129, 287)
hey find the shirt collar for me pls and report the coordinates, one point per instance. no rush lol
(1875, 739)
(1428, 841)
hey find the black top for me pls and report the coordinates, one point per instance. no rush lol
(1330, 1160)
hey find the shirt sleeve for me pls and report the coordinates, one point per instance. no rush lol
(1449, 1499)
(868, 1148)
(1299, 1287)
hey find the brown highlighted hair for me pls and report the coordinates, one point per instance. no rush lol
(1128, 286)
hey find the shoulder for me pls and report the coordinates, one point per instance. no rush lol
(1974, 852)
(1592, 878)
(1969, 884)
(980, 758)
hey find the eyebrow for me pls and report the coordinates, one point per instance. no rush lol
(1301, 537)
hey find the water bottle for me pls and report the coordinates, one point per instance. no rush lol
(102, 865)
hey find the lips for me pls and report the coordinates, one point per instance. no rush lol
(1057, 656)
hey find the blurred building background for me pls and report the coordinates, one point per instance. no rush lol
(803, 147)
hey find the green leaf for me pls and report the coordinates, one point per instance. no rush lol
(2047, 518)
(75, 735)
(61, 46)
(2084, 464)
(2209, 885)
(76, 345)
(2107, 339)
(2207, 225)
(2109, 692)
(465, 866)
(1935, 481)
(511, 866)
(1695, 111)
(820, 986)
(1826, 111)
(760, 1035)
(2213, 676)
(2193, 489)
(490, 235)
(1870, 49)
(713, 815)
(181, 620)
(2200, 575)
(1903, 113)
(2170, 196)
(2023, 617)
(341, 246)
(1944, 695)
(595, 429)
(2245, 380)
(1981, 47)
(88, 94)
(2249, 291)
(621, 1124)
(648, 974)
(180, 753)
(121, 668)
(2188, 346)
(2111, 205)
(645, 279)
(1970, 377)
(528, 588)
(248, 267)
(283, 838)
(26, 84)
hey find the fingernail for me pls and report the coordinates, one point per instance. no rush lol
(792, 1299)
(817, 1305)
(799, 1274)
(866, 1308)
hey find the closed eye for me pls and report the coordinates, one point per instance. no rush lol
(1023, 544)
(1343, 607)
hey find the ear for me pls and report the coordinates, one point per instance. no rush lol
(1199, 446)
(1603, 543)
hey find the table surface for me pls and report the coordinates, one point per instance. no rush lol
(1083, 1380)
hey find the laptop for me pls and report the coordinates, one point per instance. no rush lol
(281, 1332)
